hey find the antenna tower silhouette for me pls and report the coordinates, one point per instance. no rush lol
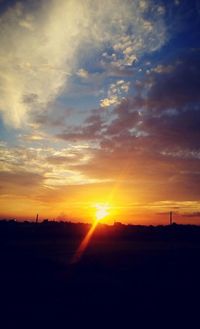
(170, 218)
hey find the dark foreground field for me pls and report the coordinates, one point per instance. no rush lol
(129, 277)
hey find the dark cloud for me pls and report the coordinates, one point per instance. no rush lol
(178, 89)
(175, 132)
(126, 119)
(90, 130)
(192, 214)
(151, 140)
(168, 117)
(170, 112)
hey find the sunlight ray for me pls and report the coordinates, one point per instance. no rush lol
(84, 243)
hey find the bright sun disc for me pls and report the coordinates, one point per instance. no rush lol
(101, 211)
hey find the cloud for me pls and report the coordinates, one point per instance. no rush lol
(115, 93)
(54, 167)
(33, 137)
(20, 183)
(163, 69)
(20, 178)
(162, 127)
(147, 142)
(116, 61)
(179, 87)
(192, 214)
(145, 35)
(54, 116)
(82, 73)
(41, 43)
(90, 130)
(175, 132)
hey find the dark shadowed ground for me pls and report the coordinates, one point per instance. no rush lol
(129, 276)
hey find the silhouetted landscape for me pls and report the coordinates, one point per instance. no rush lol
(129, 275)
(99, 124)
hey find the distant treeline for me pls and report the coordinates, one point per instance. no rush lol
(53, 229)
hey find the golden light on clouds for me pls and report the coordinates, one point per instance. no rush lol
(85, 132)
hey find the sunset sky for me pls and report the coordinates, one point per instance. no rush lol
(100, 105)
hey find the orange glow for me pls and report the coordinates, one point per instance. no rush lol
(125, 204)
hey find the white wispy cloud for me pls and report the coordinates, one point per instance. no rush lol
(54, 166)
(41, 43)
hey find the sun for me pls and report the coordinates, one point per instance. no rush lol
(102, 211)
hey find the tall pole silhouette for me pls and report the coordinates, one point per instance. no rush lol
(36, 220)
(170, 218)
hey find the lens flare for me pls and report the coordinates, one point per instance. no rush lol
(101, 211)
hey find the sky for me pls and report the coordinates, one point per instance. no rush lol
(100, 107)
